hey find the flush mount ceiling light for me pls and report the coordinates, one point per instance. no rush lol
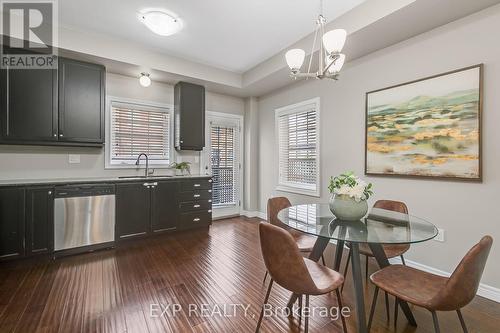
(330, 59)
(145, 80)
(161, 22)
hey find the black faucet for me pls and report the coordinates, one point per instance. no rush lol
(146, 174)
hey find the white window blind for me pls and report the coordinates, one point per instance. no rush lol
(297, 127)
(137, 129)
(223, 161)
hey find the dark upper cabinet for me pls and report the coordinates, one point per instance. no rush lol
(164, 206)
(29, 105)
(189, 100)
(53, 107)
(11, 223)
(39, 219)
(132, 210)
(81, 101)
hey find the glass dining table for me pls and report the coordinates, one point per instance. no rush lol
(377, 228)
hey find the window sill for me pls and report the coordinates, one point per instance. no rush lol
(297, 190)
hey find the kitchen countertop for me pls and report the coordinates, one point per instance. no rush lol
(90, 180)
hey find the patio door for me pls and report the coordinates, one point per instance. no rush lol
(222, 159)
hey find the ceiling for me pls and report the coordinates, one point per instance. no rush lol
(234, 35)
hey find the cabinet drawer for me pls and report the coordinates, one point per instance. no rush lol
(195, 219)
(195, 195)
(188, 206)
(196, 184)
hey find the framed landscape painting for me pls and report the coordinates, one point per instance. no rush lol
(427, 128)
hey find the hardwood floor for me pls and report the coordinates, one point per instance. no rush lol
(112, 290)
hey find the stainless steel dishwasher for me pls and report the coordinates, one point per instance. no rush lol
(84, 217)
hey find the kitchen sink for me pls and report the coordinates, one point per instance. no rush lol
(143, 177)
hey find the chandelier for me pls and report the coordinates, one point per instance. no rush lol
(330, 60)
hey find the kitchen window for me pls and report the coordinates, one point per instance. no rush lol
(297, 128)
(137, 128)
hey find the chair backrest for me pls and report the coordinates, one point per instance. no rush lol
(283, 260)
(464, 282)
(274, 205)
(395, 206)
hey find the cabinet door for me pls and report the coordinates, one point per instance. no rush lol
(81, 102)
(39, 220)
(133, 203)
(29, 106)
(11, 223)
(164, 206)
(190, 112)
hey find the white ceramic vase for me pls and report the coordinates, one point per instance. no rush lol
(347, 209)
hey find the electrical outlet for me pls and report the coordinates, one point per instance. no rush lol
(440, 235)
(73, 159)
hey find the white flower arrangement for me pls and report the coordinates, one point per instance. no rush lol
(350, 185)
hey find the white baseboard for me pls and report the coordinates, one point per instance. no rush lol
(484, 290)
(255, 213)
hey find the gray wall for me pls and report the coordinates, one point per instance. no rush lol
(466, 211)
(31, 162)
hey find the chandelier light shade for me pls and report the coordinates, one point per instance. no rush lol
(330, 60)
(295, 58)
(145, 80)
(337, 66)
(334, 40)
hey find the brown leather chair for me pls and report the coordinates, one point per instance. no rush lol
(434, 292)
(304, 241)
(291, 271)
(391, 251)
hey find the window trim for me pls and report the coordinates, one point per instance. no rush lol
(146, 104)
(297, 187)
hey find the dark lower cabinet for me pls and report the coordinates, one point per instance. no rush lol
(164, 206)
(39, 220)
(133, 210)
(11, 223)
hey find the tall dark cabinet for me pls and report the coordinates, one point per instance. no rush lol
(189, 109)
(12, 240)
(81, 101)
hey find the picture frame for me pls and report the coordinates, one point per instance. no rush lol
(427, 128)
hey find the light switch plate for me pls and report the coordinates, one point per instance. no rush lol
(73, 159)
(440, 235)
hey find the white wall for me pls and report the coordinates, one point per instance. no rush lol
(33, 162)
(466, 211)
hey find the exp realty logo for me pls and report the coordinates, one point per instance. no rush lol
(29, 30)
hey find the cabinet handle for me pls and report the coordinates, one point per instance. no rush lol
(209, 200)
(209, 191)
(196, 185)
(61, 135)
(55, 135)
(181, 141)
(196, 219)
(196, 195)
(209, 210)
(50, 193)
(210, 180)
(196, 206)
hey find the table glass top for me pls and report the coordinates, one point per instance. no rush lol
(379, 226)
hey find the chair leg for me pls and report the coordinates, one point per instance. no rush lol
(396, 312)
(339, 302)
(300, 308)
(323, 260)
(345, 270)
(387, 306)
(265, 302)
(265, 277)
(366, 268)
(306, 324)
(436, 322)
(372, 311)
(462, 321)
(403, 260)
